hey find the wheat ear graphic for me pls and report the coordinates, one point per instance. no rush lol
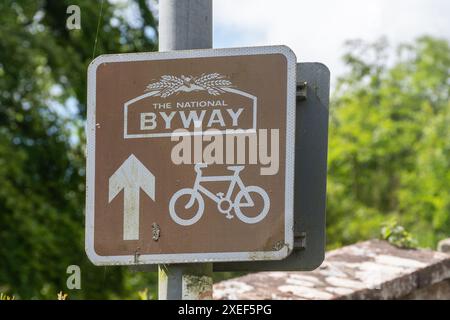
(213, 83)
(167, 86)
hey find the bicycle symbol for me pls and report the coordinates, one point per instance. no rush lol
(224, 203)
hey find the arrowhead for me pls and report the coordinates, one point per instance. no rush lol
(132, 174)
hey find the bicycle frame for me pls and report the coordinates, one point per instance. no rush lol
(234, 179)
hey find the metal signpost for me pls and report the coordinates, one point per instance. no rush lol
(185, 25)
(191, 156)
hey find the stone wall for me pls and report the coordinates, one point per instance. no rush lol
(372, 269)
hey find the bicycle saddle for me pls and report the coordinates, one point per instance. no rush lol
(236, 168)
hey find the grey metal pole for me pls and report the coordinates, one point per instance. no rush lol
(185, 24)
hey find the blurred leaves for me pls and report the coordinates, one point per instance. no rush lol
(42, 110)
(397, 235)
(6, 297)
(389, 148)
(144, 294)
(62, 296)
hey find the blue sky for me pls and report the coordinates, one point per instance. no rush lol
(317, 29)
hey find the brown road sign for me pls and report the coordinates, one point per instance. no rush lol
(190, 156)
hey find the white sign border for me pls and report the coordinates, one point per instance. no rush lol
(289, 166)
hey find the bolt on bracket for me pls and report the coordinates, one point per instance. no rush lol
(300, 240)
(301, 90)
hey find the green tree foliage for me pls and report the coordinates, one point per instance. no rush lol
(389, 151)
(42, 109)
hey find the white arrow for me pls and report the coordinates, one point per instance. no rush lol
(131, 177)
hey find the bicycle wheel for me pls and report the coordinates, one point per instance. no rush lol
(252, 190)
(197, 197)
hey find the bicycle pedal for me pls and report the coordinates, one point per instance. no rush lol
(229, 216)
(220, 194)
